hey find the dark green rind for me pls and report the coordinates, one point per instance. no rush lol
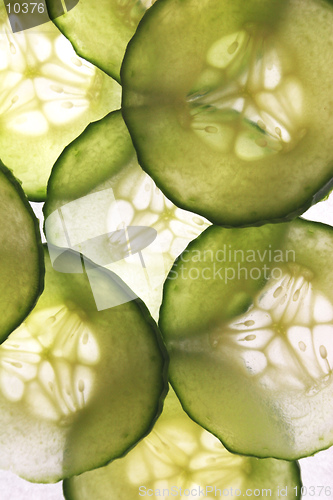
(140, 305)
(85, 153)
(69, 490)
(34, 271)
(174, 296)
(155, 88)
(98, 32)
(84, 430)
(70, 493)
(113, 482)
(321, 190)
(193, 310)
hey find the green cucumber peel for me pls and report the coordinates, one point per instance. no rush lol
(21, 255)
(101, 37)
(178, 455)
(247, 320)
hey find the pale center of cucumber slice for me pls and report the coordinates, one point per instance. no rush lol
(44, 83)
(285, 339)
(186, 456)
(248, 99)
(141, 203)
(48, 364)
(131, 11)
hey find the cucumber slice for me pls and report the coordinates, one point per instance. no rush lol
(78, 387)
(178, 455)
(229, 105)
(100, 34)
(247, 317)
(117, 217)
(21, 255)
(49, 95)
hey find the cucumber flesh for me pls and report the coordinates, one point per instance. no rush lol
(21, 255)
(223, 118)
(248, 321)
(49, 95)
(178, 453)
(109, 216)
(101, 37)
(71, 375)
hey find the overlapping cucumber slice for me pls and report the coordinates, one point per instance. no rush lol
(21, 254)
(247, 317)
(180, 458)
(78, 386)
(229, 105)
(101, 203)
(100, 33)
(48, 96)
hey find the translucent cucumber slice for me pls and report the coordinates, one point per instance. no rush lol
(78, 386)
(101, 33)
(21, 255)
(48, 96)
(117, 217)
(247, 317)
(229, 105)
(180, 456)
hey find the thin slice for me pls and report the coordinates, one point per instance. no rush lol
(100, 34)
(180, 458)
(21, 255)
(230, 105)
(78, 386)
(116, 216)
(247, 317)
(48, 96)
